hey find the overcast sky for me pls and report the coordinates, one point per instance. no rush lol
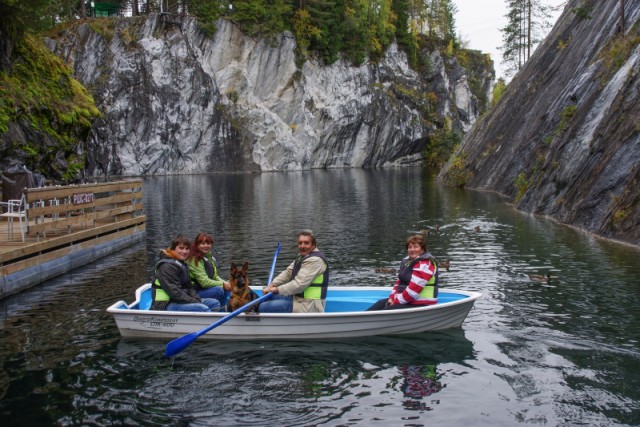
(479, 23)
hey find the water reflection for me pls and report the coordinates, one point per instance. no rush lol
(293, 383)
(419, 382)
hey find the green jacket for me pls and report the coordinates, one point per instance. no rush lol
(204, 274)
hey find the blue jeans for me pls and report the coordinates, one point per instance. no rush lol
(277, 304)
(208, 304)
(216, 292)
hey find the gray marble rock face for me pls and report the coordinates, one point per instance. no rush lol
(177, 102)
(564, 141)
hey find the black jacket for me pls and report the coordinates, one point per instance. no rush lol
(172, 276)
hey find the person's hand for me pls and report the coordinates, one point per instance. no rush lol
(270, 288)
(226, 286)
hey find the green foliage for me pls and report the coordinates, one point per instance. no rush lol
(233, 96)
(619, 216)
(304, 30)
(381, 27)
(581, 12)
(327, 16)
(623, 205)
(106, 27)
(527, 23)
(30, 151)
(356, 29)
(566, 115)
(262, 17)
(476, 64)
(563, 44)
(442, 142)
(75, 167)
(522, 185)
(406, 40)
(208, 14)
(498, 90)
(565, 118)
(354, 42)
(41, 94)
(617, 52)
(458, 175)
(19, 16)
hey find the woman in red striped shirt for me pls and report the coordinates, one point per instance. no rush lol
(417, 283)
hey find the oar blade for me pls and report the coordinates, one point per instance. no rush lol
(179, 344)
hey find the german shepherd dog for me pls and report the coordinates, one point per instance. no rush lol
(241, 294)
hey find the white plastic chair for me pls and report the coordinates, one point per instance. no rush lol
(16, 208)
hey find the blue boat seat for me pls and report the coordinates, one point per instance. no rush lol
(341, 305)
(444, 297)
(145, 300)
(345, 301)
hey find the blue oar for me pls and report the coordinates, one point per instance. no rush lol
(179, 344)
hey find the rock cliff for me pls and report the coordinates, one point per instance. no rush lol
(176, 101)
(564, 141)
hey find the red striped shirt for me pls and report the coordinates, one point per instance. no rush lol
(422, 272)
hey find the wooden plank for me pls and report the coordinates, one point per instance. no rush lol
(126, 196)
(35, 194)
(47, 193)
(50, 243)
(58, 253)
(64, 208)
(83, 219)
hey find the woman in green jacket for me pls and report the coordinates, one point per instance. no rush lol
(203, 270)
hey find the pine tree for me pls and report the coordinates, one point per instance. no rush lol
(260, 17)
(327, 16)
(527, 23)
(407, 40)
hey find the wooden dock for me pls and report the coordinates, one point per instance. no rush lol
(65, 227)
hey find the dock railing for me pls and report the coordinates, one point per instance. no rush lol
(55, 210)
(61, 219)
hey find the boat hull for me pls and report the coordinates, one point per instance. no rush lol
(334, 324)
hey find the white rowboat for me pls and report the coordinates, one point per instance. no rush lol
(345, 317)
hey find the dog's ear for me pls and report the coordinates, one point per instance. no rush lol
(245, 267)
(233, 269)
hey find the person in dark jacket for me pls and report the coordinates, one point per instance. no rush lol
(172, 287)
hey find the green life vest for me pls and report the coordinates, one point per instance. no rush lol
(317, 289)
(430, 290)
(158, 293)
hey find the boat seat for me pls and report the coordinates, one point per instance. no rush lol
(444, 297)
(351, 303)
(145, 300)
(340, 306)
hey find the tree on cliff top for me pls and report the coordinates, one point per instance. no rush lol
(527, 24)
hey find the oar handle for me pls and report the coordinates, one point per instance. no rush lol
(273, 265)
